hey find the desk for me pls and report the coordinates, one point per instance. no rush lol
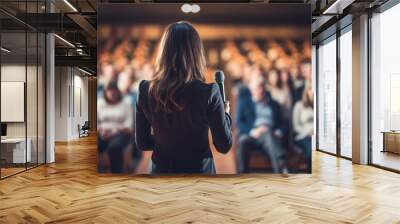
(391, 141)
(13, 150)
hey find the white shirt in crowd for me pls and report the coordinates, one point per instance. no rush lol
(303, 120)
(114, 117)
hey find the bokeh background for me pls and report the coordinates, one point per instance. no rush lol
(246, 41)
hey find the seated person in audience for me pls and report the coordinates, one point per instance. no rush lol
(278, 84)
(280, 92)
(305, 67)
(126, 85)
(303, 123)
(303, 78)
(115, 119)
(297, 81)
(259, 125)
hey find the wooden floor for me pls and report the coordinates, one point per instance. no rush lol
(71, 191)
(5, 172)
(387, 159)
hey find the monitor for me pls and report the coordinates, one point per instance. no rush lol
(3, 129)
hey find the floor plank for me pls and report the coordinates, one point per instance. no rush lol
(71, 191)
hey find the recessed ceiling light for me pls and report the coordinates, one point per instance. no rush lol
(195, 8)
(186, 8)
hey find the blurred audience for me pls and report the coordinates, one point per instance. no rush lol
(259, 122)
(303, 123)
(279, 91)
(270, 82)
(114, 128)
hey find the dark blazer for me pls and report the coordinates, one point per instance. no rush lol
(246, 114)
(179, 140)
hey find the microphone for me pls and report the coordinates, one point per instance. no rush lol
(219, 79)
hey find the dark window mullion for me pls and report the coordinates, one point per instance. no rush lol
(317, 96)
(26, 87)
(37, 90)
(338, 98)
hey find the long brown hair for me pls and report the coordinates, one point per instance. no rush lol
(180, 60)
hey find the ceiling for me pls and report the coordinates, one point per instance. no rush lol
(76, 20)
(211, 13)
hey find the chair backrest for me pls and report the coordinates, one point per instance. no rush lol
(86, 125)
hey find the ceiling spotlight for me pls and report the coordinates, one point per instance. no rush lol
(84, 71)
(195, 8)
(70, 5)
(186, 8)
(79, 51)
(65, 41)
(5, 50)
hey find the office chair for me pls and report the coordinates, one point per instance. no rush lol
(84, 130)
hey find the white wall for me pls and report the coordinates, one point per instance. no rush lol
(12, 73)
(16, 73)
(61, 103)
(33, 126)
(71, 102)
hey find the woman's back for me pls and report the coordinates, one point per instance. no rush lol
(180, 138)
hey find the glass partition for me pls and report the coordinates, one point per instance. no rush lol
(22, 64)
(346, 93)
(385, 89)
(327, 95)
(31, 97)
(14, 151)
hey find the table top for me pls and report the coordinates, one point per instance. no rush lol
(13, 140)
(391, 132)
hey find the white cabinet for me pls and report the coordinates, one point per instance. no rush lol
(17, 148)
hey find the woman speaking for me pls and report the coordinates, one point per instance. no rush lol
(176, 108)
